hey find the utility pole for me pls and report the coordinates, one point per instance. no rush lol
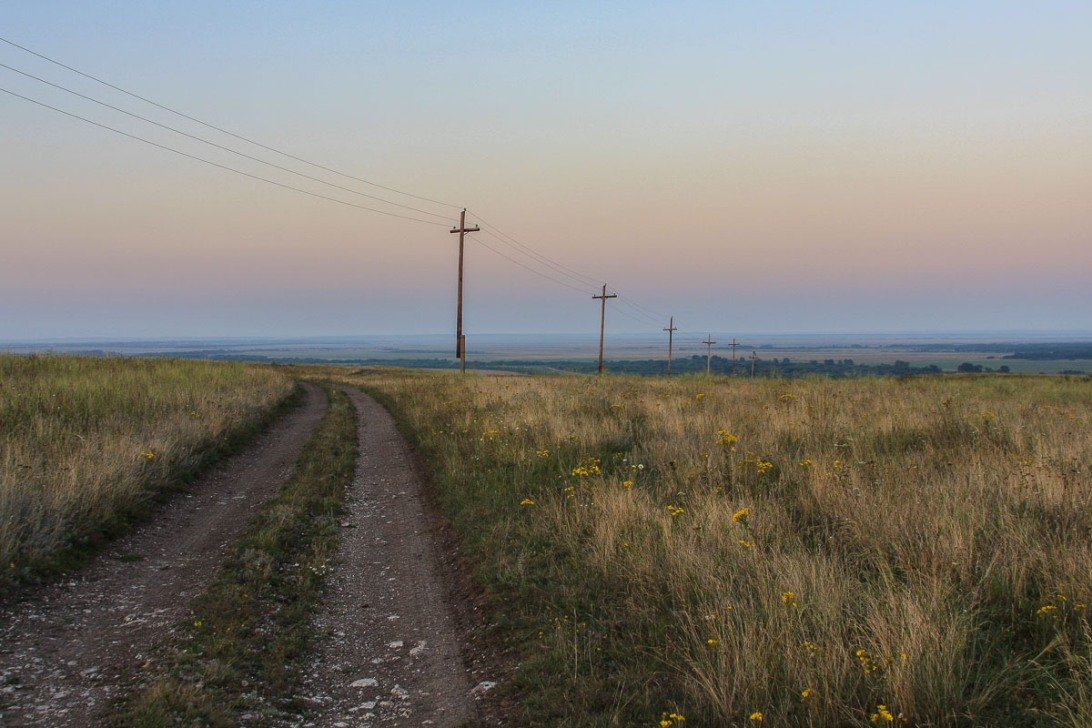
(460, 340)
(754, 357)
(733, 356)
(708, 353)
(603, 321)
(671, 329)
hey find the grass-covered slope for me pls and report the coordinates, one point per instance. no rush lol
(85, 443)
(811, 552)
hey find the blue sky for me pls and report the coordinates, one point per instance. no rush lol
(742, 166)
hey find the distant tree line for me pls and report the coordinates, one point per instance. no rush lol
(772, 367)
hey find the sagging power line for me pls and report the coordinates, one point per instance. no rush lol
(212, 163)
(232, 134)
(535, 262)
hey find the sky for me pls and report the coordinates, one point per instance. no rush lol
(743, 167)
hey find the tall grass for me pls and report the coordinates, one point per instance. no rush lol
(807, 552)
(85, 442)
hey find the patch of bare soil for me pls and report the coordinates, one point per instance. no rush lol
(67, 648)
(392, 649)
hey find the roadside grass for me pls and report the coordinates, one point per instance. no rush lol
(239, 651)
(808, 552)
(86, 444)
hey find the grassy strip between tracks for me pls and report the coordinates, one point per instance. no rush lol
(239, 650)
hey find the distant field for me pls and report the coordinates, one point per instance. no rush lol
(86, 442)
(806, 552)
(579, 351)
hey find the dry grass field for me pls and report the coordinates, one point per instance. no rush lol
(804, 552)
(85, 443)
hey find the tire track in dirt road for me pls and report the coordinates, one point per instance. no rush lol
(390, 650)
(66, 649)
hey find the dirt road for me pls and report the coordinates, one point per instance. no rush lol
(64, 650)
(390, 651)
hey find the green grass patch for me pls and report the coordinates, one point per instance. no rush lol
(240, 648)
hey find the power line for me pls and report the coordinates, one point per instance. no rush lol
(225, 131)
(631, 317)
(536, 259)
(571, 273)
(639, 316)
(654, 314)
(221, 146)
(527, 267)
(638, 311)
(559, 267)
(217, 164)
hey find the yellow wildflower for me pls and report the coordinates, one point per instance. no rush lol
(810, 646)
(627, 483)
(727, 438)
(806, 693)
(588, 468)
(544, 453)
(699, 396)
(526, 502)
(740, 516)
(746, 544)
(756, 716)
(806, 463)
(882, 714)
(788, 598)
(675, 510)
(1046, 610)
(148, 455)
(763, 466)
(712, 641)
(866, 660)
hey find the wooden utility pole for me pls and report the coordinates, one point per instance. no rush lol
(460, 340)
(754, 357)
(671, 329)
(708, 353)
(603, 321)
(733, 356)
